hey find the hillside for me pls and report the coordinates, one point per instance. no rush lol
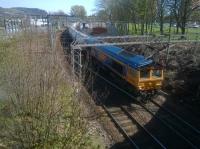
(21, 11)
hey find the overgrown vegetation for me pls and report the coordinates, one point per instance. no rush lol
(40, 109)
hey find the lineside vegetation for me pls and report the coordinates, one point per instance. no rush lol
(39, 109)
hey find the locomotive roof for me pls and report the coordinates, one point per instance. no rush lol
(135, 61)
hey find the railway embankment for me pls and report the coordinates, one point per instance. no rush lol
(41, 109)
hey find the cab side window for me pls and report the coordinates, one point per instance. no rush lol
(157, 73)
(133, 72)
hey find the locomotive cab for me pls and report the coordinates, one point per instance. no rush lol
(150, 78)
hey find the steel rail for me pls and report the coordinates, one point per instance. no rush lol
(170, 127)
(197, 114)
(177, 117)
(141, 104)
(143, 128)
(120, 128)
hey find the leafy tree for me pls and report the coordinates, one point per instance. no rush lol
(78, 11)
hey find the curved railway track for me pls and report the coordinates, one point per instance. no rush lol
(164, 129)
(177, 117)
(128, 126)
(162, 134)
(185, 104)
(183, 130)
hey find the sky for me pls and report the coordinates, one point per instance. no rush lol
(50, 5)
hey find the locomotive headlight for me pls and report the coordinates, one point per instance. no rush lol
(141, 86)
(158, 84)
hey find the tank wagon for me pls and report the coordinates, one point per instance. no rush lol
(142, 74)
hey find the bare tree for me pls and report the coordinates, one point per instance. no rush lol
(181, 11)
(78, 11)
(161, 5)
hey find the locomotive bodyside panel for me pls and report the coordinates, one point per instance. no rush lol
(132, 76)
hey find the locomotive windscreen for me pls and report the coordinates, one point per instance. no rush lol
(145, 73)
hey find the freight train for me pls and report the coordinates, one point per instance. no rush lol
(143, 74)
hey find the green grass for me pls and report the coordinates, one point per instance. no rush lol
(191, 33)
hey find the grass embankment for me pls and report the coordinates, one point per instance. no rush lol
(39, 110)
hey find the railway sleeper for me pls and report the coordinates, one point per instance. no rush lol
(126, 123)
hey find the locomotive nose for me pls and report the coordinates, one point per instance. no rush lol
(150, 85)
